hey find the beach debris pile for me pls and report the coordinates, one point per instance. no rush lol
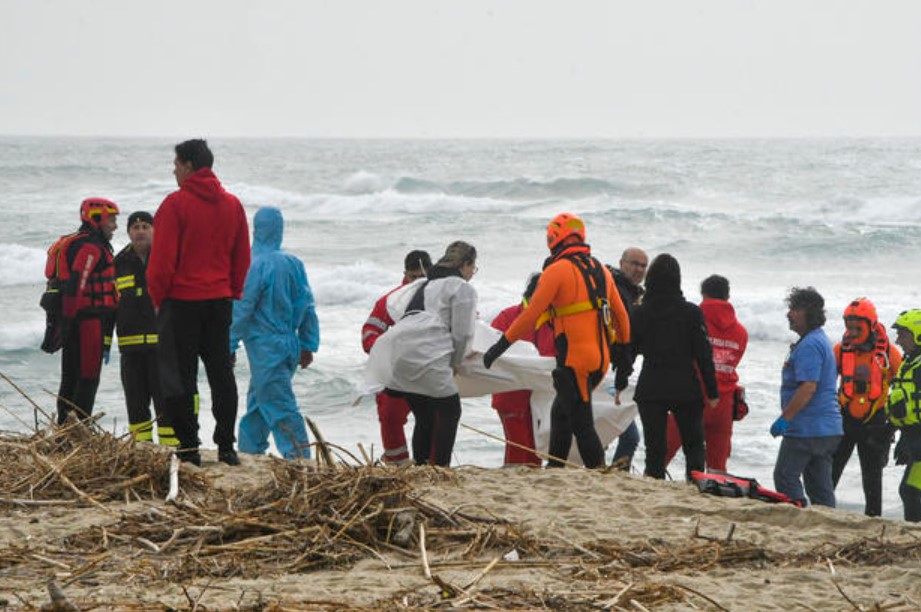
(79, 463)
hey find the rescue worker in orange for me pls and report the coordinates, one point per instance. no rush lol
(866, 363)
(576, 292)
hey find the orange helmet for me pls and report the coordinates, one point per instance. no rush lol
(862, 308)
(96, 210)
(563, 226)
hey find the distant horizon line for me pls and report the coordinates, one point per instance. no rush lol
(448, 138)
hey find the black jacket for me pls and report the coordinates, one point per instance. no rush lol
(623, 355)
(135, 321)
(671, 334)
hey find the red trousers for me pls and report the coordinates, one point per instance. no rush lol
(514, 408)
(717, 434)
(392, 413)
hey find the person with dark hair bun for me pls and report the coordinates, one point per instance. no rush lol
(810, 419)
(671, 335)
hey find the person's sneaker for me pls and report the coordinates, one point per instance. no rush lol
(193, 457)
(228, 456)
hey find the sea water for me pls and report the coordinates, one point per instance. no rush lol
(841, 215)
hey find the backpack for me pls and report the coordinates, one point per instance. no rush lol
(52, 301)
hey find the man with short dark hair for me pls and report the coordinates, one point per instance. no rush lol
(198, 264)
(392, 411)
(136, 326)
(810, 420)
(728, 339)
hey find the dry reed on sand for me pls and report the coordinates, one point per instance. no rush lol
(82, 463)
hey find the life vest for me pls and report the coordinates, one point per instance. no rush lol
(904, 404)
(596, 284)
(727, 485)
(864, 375)
(98, 294)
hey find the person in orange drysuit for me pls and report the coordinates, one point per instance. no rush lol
(576, 292)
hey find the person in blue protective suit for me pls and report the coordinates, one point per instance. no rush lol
(277, 322)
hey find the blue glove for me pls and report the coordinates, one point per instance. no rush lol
(779, 427)
(105, 355)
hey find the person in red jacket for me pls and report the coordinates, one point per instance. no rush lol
(392, 411)
(514, 407)
(198, 264)
(728, 338)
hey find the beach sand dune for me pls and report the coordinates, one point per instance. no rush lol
(504, 538)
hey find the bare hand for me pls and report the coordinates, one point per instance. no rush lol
(306, 359)
(713, 402)
(617, 397)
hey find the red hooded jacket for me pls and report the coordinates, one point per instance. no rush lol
(200, 248)
(728, 339)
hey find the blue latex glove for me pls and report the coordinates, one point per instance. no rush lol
(105, 355)
(779, 427)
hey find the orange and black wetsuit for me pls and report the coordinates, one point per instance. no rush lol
(588, 316)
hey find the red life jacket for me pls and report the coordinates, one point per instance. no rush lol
(727, 485)
(98, 294)
(864, 377)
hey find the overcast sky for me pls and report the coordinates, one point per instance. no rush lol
(426, 68)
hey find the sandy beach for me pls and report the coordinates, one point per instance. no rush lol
(494, 538)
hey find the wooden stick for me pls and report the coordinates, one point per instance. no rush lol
(173, 478)
(540, 454)
(23, 393)
(322, 447)
(57, 470)
(425, 558)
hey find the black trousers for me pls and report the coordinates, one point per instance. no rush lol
(188, 330)
(435, 426)
(140, 373)
(689, 416)
(872, 442)
(571, 416)
(81, 362)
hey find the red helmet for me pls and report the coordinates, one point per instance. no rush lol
(862, 308)
(96, 210)
(563, 226)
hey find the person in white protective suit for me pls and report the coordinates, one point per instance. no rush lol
(418, 357)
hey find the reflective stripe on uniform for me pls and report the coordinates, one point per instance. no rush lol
(166, 436)
(565, 311)
(375, 322)
(137, 339)
(196, 402)
(914, 475)
(141, 432)
(124, 282)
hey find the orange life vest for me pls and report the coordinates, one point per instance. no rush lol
(864, 378)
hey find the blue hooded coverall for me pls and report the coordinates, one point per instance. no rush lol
(276, 320)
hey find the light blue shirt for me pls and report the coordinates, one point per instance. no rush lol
(812, 360)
